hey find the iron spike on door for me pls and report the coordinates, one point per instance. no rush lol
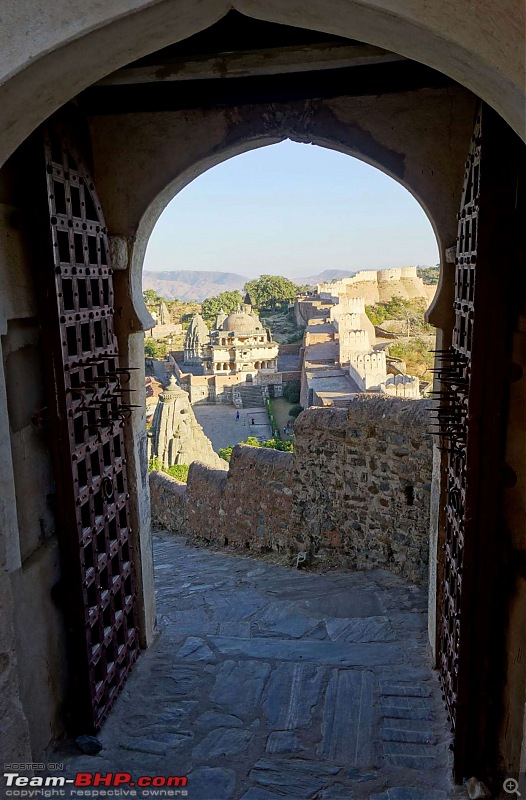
(88, 420)
(454, 372)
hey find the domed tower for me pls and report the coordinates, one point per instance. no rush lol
(196, 339)
(242, 346)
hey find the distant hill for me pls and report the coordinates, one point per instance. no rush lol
(428, 275)
(186, 284)
(326, 275)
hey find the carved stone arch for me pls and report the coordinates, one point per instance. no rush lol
(69, 51)
(306, 123)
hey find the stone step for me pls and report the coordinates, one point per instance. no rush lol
(251, 396)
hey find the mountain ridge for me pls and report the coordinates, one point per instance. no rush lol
(185, 284)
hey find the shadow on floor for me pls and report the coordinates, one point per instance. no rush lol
(268, 683)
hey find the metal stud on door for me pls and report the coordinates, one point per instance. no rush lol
(472, 424)
(87, 418)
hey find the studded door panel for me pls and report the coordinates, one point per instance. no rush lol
(88, 420)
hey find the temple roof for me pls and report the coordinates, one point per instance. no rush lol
(197, 330)
(241, 322)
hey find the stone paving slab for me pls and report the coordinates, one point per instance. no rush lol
(223, 429)
(268, 683)
(313, 651)
(293, 692)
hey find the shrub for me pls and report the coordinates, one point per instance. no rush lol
(295, 411)
(177, 471)
(154, 464)
(411, 312)
(273, 444)
(286, 445)
(415, 353)
(291, 392)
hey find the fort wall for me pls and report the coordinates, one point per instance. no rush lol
(402, 386)
(369, 370)
(375, 286)
(357, 488)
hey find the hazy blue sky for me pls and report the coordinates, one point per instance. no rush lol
(294, 210)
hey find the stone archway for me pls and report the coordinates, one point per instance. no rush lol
(68, 55)
(73, 45)
(139, 167)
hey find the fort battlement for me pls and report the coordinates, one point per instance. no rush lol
(346, 305)
(348, 322)
(369, 370)
(301, 501)
(375, 285)
(407, 386)
(352, 342)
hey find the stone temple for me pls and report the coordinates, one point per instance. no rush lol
(176, 437)
(196, 340)
(237, 344)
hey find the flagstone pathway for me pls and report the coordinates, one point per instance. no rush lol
(269, 683)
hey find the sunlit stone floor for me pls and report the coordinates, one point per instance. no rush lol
(268, 683)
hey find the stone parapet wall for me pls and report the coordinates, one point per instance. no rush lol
(357, 488)
(363, 482)
(250, 506)
(291, 375)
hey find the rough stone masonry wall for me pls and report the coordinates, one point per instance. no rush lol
(363, 480)
(357, 487)
(250, 506)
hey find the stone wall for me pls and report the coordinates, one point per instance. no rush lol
(290, 349)
(251, 505)
(363, 482)
(357, 488)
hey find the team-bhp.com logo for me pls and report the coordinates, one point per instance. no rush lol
(91, 784)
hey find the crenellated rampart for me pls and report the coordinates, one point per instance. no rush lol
(357, 488)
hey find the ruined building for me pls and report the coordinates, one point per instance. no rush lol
(107, 110)
(240, 344)
(237, 350)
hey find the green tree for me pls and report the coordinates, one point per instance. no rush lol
(151, 297)
(228, 301)
(268, 292)
(429, 275)
(154, 349)
(295, 411)
(291, 391)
